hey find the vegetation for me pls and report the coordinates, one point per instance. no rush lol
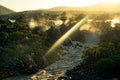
(22, 49)
(101, 62)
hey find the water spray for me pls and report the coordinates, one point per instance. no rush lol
(66, 35)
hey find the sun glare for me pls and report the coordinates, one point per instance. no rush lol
(112, 1)
(89, 27)
(66, 35)
(32, 23)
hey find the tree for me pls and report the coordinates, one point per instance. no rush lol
(105, 67)
(3, 38)
(63, 16)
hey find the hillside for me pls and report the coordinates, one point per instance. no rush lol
(105, 7)
(4, 10)
(99, 7)
(96, 8)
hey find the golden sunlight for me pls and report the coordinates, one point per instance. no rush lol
(66, 35)
(40, 4)
(89, 27)
(32, 23)
(112, 1)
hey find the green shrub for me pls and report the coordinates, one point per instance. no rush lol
(105, 67)
(116, 59)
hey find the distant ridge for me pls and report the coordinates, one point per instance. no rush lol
(92, 9)
(4, 10)
(105, 7)
(63, 8)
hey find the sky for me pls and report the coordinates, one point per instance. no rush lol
(22, 5)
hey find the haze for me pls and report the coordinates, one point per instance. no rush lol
(22, 5)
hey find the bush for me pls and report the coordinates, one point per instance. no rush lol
(105, 67)
(116, 59)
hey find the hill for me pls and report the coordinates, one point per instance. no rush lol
(96, 8)
(99, 7)
(4, 10)
(104, 7)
